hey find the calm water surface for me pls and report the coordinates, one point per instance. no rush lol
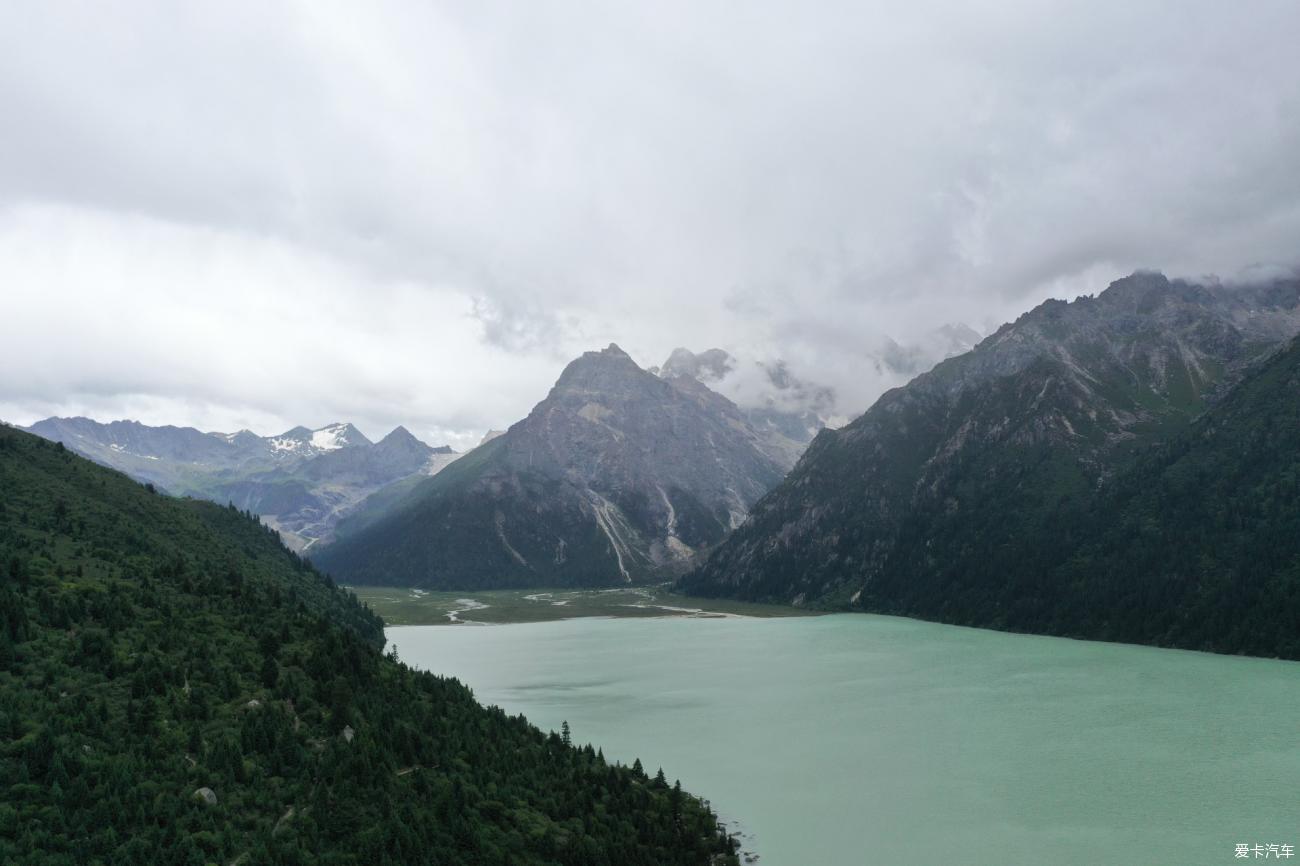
(858, 740)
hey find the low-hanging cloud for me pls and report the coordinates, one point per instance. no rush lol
(266, 214)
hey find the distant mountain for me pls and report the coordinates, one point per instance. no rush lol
(177, 687)
(785, 411)
(618, 475)
(939, 344)
(300, 481)
(925, 503)
(711, 365)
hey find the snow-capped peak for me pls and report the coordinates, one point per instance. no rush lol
(330, 438)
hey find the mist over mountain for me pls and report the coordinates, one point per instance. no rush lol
(778, 387)
(617, 476)
(300, 482)
(938, 344)
(786, 412)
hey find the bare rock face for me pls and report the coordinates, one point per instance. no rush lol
(206, 796)
(348, 733)
(617, 476)
(1054, 402)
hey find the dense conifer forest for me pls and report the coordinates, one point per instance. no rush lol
(176, 687)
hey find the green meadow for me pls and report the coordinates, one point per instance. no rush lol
(407, 606)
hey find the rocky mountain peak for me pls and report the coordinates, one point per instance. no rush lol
(241, 439)
(401, 440)
(338, 435)
(299, 433)
(711, 365)
(617, 475)
(608, 371)
(399, 434)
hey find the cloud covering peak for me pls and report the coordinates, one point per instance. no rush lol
(263, 214)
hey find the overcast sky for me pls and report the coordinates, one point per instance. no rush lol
(266, 214)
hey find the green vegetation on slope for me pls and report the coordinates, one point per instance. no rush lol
(1196, 544)
(176, 687)
(406, 606)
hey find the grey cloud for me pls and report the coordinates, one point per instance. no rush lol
(521, 326)
(439, 203)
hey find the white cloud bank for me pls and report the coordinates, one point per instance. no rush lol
(265, 214)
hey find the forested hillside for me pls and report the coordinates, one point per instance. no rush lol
(176, 687)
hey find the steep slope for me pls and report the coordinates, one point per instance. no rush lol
(1028, 423)
(301, 481)
(1196, 544)
(177, 687)
(618, 475)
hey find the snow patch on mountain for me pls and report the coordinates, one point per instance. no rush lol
(330, 438)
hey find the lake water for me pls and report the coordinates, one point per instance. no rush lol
(853, 740)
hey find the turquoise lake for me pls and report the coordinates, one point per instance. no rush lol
(854, 740)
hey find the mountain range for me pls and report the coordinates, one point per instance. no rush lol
(300, 481)
(618, 475)
(1016, 485)
(975, 493)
